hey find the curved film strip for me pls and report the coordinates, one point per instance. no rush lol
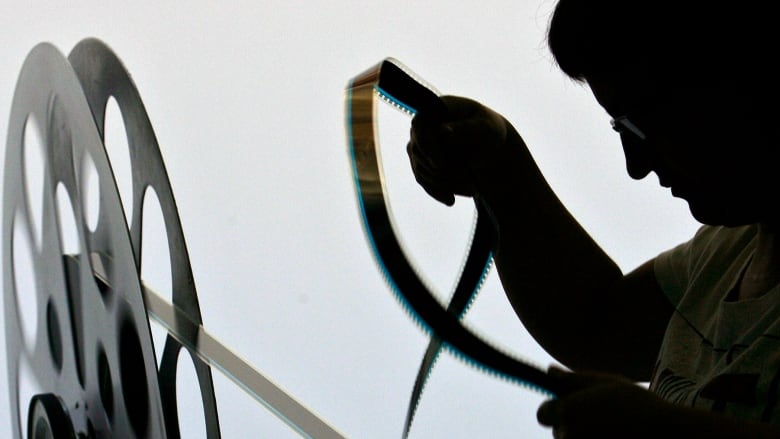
(392, 82)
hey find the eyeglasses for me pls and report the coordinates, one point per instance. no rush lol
(623, 125)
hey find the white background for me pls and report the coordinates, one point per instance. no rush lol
(247, 101)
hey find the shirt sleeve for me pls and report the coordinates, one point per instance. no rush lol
(715, 254)
(673, 267)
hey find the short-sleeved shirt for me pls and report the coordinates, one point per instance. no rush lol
(718, 354)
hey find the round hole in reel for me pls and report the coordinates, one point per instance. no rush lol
(34, 174)
(25, 285)
(133, 376)
(105, 384)
(192, 422)
(54, 335)
(90, 190)
(115, 140)
(69, 232)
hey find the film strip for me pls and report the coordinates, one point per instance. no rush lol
(391, 82)
(89, 347)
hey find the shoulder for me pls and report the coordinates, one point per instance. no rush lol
(711, 243)
(713, 251)
(721, 237)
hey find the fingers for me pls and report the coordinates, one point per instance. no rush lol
(431, 144)
(572, 416)
(436, 162)
(572, 382)
(600, 405)
(428, 174)
(558, 413)
(547, 414)
(445, 150)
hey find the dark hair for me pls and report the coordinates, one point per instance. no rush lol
(700, 38)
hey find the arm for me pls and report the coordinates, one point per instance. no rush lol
(569, 294)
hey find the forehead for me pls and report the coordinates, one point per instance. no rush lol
(621, 90)
(635, 89)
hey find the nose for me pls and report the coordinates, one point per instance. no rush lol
(639, 160)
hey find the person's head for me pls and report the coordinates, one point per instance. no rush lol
(696, 79)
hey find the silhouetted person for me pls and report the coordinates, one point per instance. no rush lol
(691, 90)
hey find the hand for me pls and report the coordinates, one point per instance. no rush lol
(606, 406)
(451, 153)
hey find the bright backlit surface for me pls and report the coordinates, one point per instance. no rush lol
(247, 101)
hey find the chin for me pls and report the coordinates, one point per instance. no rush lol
(722, 214)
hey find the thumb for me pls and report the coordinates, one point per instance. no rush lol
(548, 413)
(573, 381)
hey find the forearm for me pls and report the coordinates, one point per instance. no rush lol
(560, 282)
(554, 274)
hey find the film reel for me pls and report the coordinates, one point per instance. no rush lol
(77, 321)
(92, 350)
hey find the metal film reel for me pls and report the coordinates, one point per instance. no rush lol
(89, 349)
